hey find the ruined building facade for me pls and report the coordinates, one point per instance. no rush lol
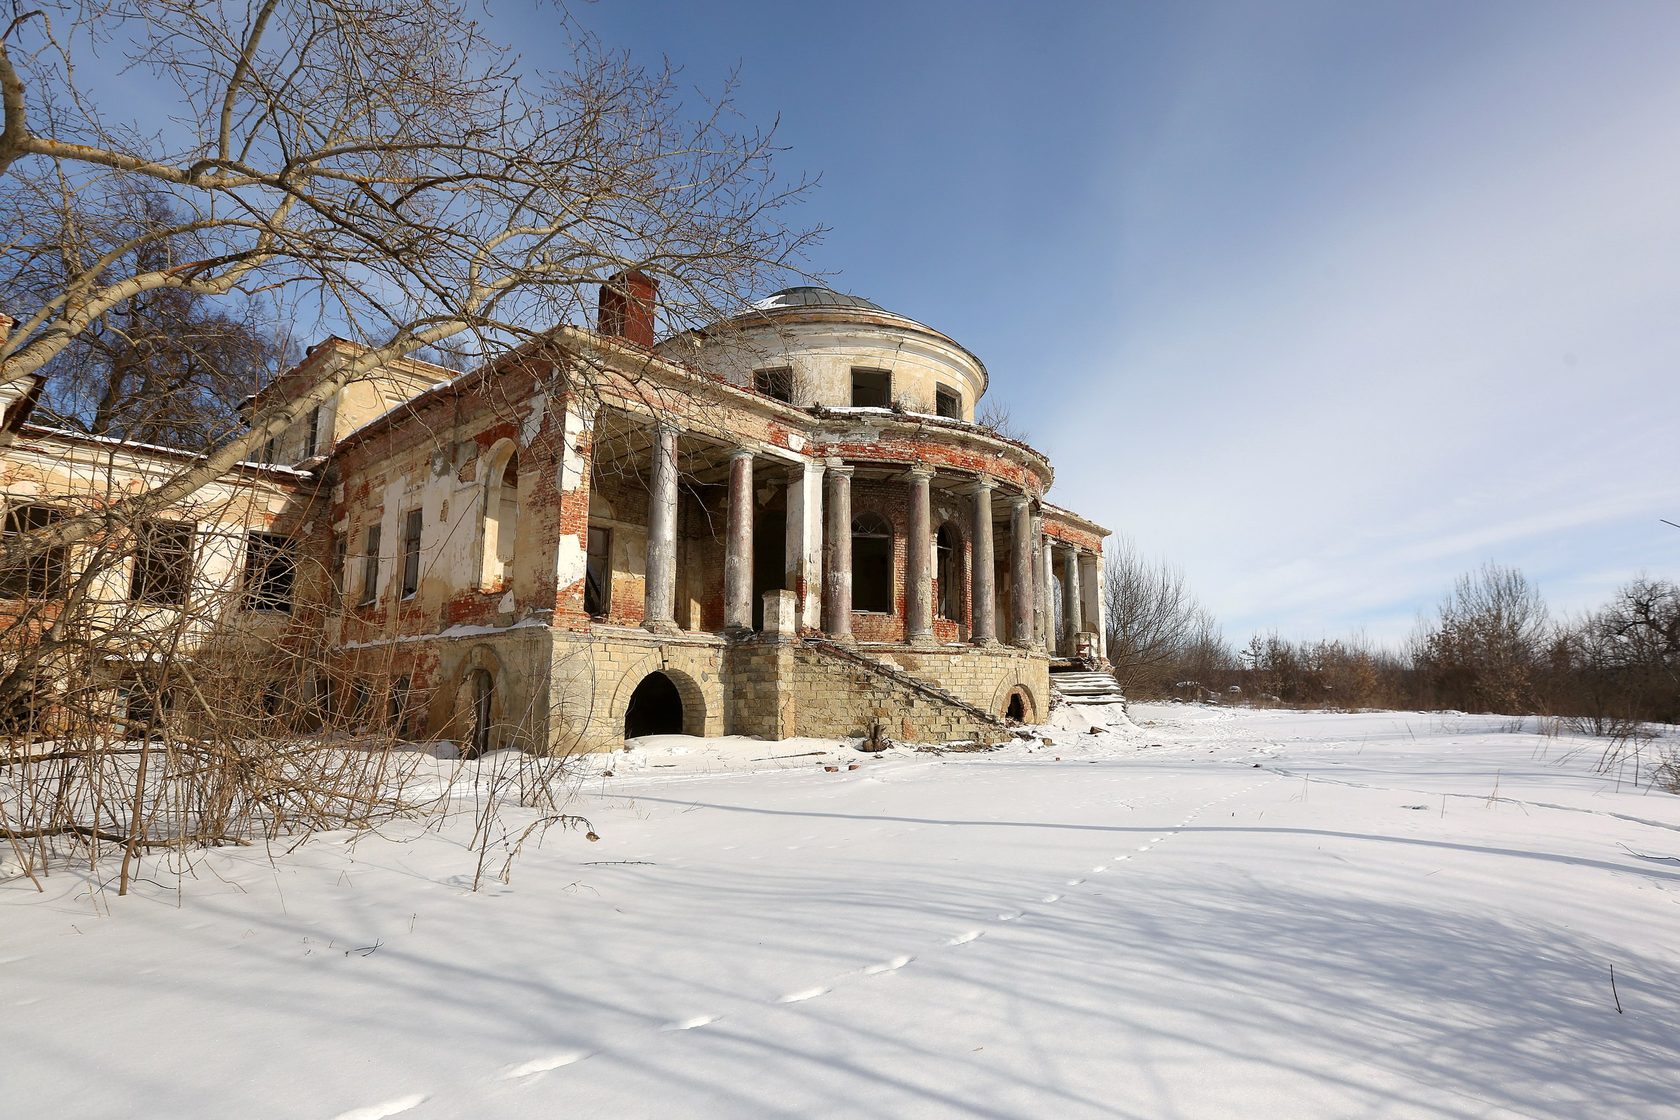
(785, 524)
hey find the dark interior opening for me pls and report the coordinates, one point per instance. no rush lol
(947, 402)
(948, 571)
(597, 583)
(483, 689)
(777, 383)
(656, 708)
(872, 583)
(769, 561)
(1017, 709)
(871, 388)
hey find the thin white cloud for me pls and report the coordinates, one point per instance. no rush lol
(1467, 353)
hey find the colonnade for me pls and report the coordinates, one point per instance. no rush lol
(826, 519)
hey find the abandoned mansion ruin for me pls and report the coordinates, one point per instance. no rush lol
(787, 523)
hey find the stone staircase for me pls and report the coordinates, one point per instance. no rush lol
(888, 672)
(1082, 688)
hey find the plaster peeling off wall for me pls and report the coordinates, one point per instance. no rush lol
(569, 561)
(572, 461)
(533, 422)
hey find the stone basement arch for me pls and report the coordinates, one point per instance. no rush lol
(689, 694)
(1011, 697)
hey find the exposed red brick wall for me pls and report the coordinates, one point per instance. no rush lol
(627, 307)
(908, 450)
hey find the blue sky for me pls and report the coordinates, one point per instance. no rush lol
(1326, 303)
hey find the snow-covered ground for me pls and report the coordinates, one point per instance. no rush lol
(1213, 913)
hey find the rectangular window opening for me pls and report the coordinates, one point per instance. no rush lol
(370, 567)
(313, 446)
(597, 586)
(411, 553)
(947, 402)
(777, 383)
(163, 564)
(871, 388)
(44, 575)
(270, 566)
(336, 565)
(872, 564)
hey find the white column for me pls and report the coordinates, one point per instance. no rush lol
(1072, 600)
(1044, 614)
(918, 560)
(1100, 608)
(983, 585)
(661, 591)
(738, 545)
(837, 586)
(1021, 569)
(805, 545)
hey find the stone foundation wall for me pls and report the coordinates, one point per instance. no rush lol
(982, 677)
(437, 703)
(775, 689)
(594, 675)
(830, 696)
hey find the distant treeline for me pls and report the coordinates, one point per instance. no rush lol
(1490, 646)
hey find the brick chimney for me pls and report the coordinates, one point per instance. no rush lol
(627, 300)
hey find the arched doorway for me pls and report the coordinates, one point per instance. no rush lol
(656, 708)
(483, 689)
(1017, 709)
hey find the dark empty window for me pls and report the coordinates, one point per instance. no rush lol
(872, 584)
(42, 576)
(340, 556)
(597, 581)
(370, 566)
(324, 699)
(948, 550)
(163, 564)
(313, 447)
(871, 388)
(947, 402)
(360, 697)
(140, 709)
(270, 565)
(274, 700)
(396, 710)
(411, 553)
(776, 383)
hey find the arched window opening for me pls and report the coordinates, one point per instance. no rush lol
(501, 519)
(656, 708)
(948, 568)
(507, 515)
(872, 582)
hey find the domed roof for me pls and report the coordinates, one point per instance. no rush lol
(812, 296)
